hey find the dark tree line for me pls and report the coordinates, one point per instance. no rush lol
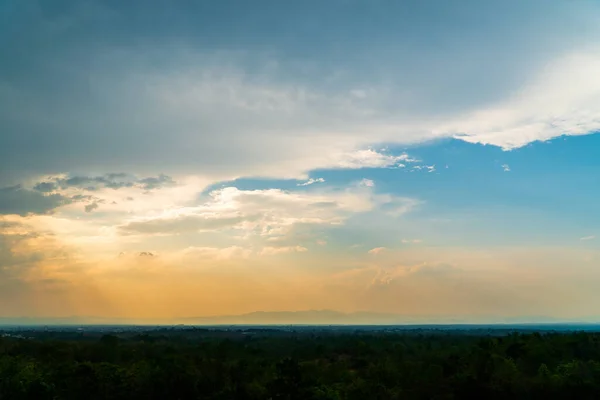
(367, 366)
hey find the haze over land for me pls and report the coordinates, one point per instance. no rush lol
(310, 317)
(419, 160)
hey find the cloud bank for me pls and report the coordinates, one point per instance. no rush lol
(271, 101)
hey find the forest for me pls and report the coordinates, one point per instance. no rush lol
(195, 364)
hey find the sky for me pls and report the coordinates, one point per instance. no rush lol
(170, 159)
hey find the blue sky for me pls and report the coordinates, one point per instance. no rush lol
(425, 158)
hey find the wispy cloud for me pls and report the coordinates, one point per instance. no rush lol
(428, 168)
(270, 251)
(377, 250)
(217, 253)
(311, 181)
(366, 182)
(266, 213)
(588, 238)
(370, 158)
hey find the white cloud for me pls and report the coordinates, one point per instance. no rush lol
(366, 183)
(271, 251)
(268, 213)
(311, 181)
(592, 237)
(369, 158)
(428, 168)
(377, 250)
(217, 253)
(563, 99)
(505, 167)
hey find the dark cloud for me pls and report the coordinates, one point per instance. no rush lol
(45, 187)
(91, 207)
(112, 181)
(157, 182)
(82, 197)
(40, 200)
(23, 202)
(116, 175)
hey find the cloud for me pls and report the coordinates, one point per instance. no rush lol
(110, 181)
(269, 213)
(564, 99)
(175, 90)
(505, 167)
(428, 168)
(20, 201)
(147, 97)
(366, 183)
(413, 241)
(62, 191)
(390, 275)
(218, 253)
(397, 206)
(311, 181)
(377, 250)
(39, 276)
(270, 251)
(157, 182)
(370, 158)
(91, 207)
(183, 224)
(588, 238)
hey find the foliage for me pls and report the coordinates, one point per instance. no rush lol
(324, 367)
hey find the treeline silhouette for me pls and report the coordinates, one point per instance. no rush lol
(344, 366)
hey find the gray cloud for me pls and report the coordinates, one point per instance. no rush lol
(111, 181)
(156, 182)
(23, 202)
(212, 88)
(83, 197)
(40, 200)
(45, 187)
(91, 207)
